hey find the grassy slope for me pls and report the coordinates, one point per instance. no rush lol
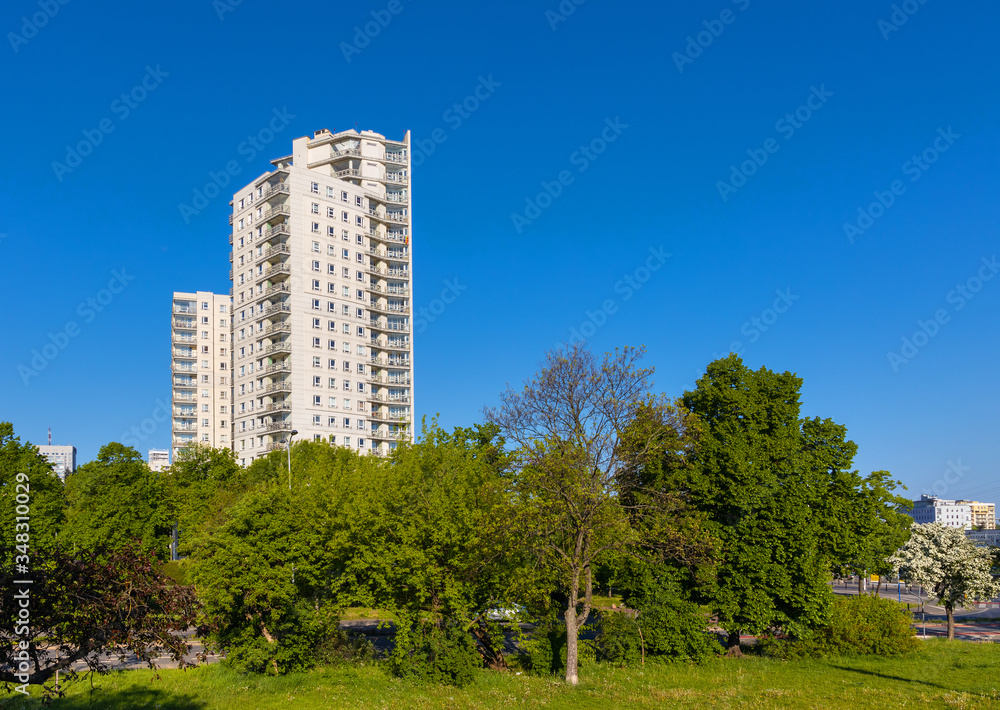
(954, 675)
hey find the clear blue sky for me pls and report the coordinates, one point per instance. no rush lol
(910, 106)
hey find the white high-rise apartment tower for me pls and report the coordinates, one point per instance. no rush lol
(200, 370)
(321, 297)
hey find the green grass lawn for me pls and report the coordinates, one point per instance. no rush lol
(942, 674)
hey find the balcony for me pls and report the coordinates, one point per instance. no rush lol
(395, 197)
(390, 362)
(274, 446)
(279, 426)
(396, 398)
(185, 323)
(396, 157)
(188, 354)
(191, 384)
(230, 238)
(277, 308)
(230, 257)
(397, 435)
(276, 367)
(276, 328)
(389, 417)
(395, 178)
(190, 310)
(275, 212)
(276, 348)
(278, 188)
(391, 310)
(388, 344)
(276, 231)
(349, 174)
(278, 407)
(183, 368)
(275, 270)
(275, 251)
(283, 386)
(177, 426)
(383, 380)
(178, 338)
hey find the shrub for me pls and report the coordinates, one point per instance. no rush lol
(339, 647)
(435, 652)
(670, 631)
(546, 649)
(858, 626)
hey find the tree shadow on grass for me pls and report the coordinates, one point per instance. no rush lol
(130, 698)
(905, 680)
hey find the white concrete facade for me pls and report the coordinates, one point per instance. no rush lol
(62, 458)
(322, 343)
(200, 364)
(931, 509)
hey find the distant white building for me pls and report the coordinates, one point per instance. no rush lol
(158, 459)
(931, 509)
(62, 458)
(984, 537)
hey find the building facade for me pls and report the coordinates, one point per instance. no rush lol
(985, 538)
(62, 458)
(158, 459)
(931, 509)
(983, 514)
(200, 368)
(322, 284)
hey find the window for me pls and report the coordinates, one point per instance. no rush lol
(331, 306)
(331, 421)
(359, 221)
(358, 238)
(331, 250)
(316, 323)
(332, 384)
(347, 329)
(204, 408)
(347, 388)
(347, 366)
(204, 334)
(346, 291)
(317, 381)
(315, 285)
(317, 343)
(314, 208)
(333, 402)
(344, 217)
(345, 309)
(331, 288)
(204, 304)
(317, 362)
(345, 235)
(358, 201)
(347, 347)
(317, 401)
(332, 364)
(315, 304)
(204, 363)
(332, 326)
(315, 266)
(222, 409)
(359, 258)
(314, 188)
(222, 309)
(347, 441)
(361, 297)
(361, 387)
(329, 192)
(204, 378)
(315, 247)
(361, 368)
(343, 196)
(346, 273)
(315, 227)
(317, 420)
(204, 422)
(331, 232)
(361, 332)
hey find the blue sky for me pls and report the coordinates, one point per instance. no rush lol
(708, 154)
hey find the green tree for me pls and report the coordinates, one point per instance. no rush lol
(44, 490)
(946, 561)
(203, 483)
(575, 505)
(116, 499)
(762, 484)
(267, 575)
(428, 538)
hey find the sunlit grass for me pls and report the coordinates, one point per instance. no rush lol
(941, 674)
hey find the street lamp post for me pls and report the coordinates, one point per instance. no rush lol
(292, 433)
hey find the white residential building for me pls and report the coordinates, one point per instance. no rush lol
(200, 370)
(983, 514)
(322, 286)
(158, 459)
(931, 509)
(62, 458)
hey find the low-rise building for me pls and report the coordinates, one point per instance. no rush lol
(983, 514)
(158, 459)
(931, 509)
(984, 537)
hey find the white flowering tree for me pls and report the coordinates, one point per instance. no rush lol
(944, 560)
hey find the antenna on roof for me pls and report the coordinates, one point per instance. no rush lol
(50, 436)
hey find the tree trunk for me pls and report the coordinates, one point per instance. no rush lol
(733, 645)
(950, 611)
(861, 588)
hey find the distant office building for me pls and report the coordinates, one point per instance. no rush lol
(931, 509)
(984, 514)
(200, 370)
(984, 537)
(158, 459)
(62, 458)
